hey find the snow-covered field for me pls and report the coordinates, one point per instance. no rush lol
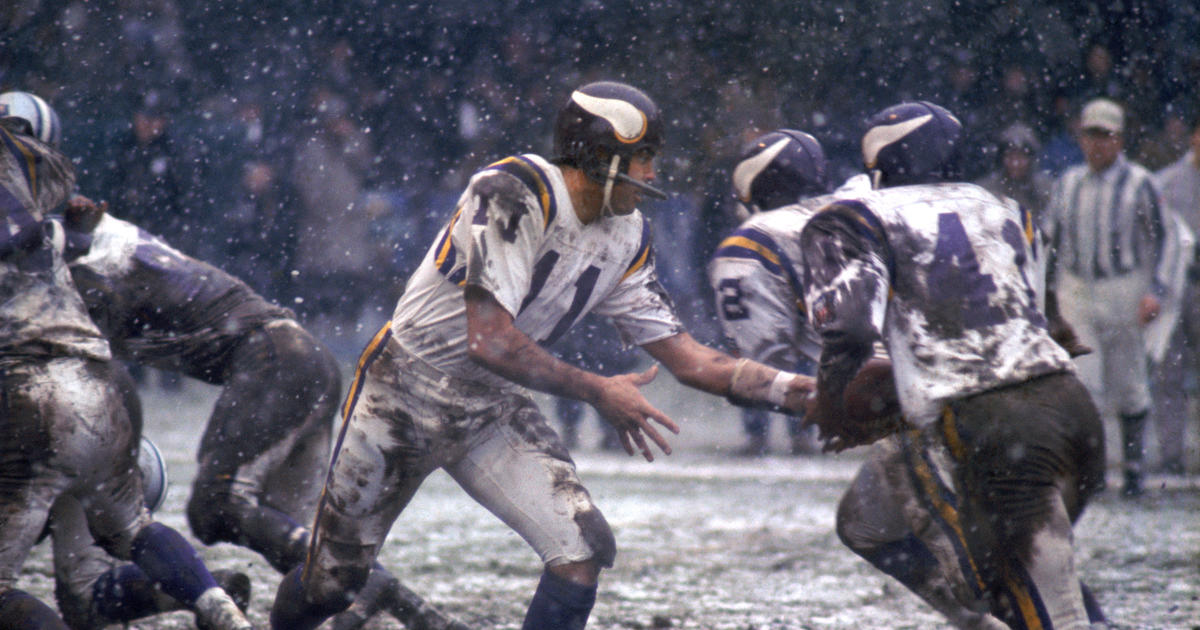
(707, 540)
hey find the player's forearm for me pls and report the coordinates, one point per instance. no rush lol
(518, 358)
(743, 381)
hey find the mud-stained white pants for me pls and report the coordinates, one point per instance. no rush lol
(407, 419)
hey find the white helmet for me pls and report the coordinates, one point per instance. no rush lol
(154, 474)
(42, 118)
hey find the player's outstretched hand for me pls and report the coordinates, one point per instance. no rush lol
(798, 393)
(82, 214)
(622, 405)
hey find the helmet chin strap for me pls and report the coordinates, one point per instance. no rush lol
(614, 166)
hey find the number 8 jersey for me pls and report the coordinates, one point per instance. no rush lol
(515, 233)
(947, 275)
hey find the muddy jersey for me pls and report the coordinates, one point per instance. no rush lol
(514, 233)
(160, 306)
(755, 277)
(41, 313)
(945, 275)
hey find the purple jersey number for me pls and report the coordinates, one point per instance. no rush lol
(956, 282)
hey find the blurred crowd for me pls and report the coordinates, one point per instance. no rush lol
(313, 152)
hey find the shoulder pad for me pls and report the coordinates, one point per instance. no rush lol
(532, 177)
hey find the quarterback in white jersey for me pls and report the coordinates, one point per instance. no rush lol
(542, 264)
(532, 247)
(1010, 446)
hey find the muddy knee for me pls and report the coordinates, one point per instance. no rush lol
(599, 536)
(869, 513)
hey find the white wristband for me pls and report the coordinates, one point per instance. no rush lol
(777, 392)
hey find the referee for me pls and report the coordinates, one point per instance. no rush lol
(1106, 223)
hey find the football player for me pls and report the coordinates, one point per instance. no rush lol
(266, 445)
(63, 429)
(532, 246)
(92, 590)
(779, 181)
(974, 510)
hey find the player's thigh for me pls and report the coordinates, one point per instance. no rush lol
(374, 474)
(1019, 446)
(520, 471)
(111, 491)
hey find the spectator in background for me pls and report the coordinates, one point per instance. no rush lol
(1018, 100)
(1017, 174)
(151, 176)
(1100, 77)
(258, 248)
(1107, 225)
(150, 182)
(332, 255)
(1175, 378)
(1062, 139)
(1164, 147)
(965, 94)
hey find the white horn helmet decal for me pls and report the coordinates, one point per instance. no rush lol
(884, 135)
(627, 121)
(748, 169)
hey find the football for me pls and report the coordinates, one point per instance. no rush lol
(872, 392)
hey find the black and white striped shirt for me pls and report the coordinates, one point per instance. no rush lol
(1108, 224)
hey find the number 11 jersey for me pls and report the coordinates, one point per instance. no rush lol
(514, 233)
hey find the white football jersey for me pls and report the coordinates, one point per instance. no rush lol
(755, 275)
(515, 233)
(946, 275)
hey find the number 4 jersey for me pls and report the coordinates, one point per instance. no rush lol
(947, 275)
(515, 233)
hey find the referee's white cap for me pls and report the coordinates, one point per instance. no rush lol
(1103, 114)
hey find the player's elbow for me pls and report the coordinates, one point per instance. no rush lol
(479, 350)
(488, 351)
